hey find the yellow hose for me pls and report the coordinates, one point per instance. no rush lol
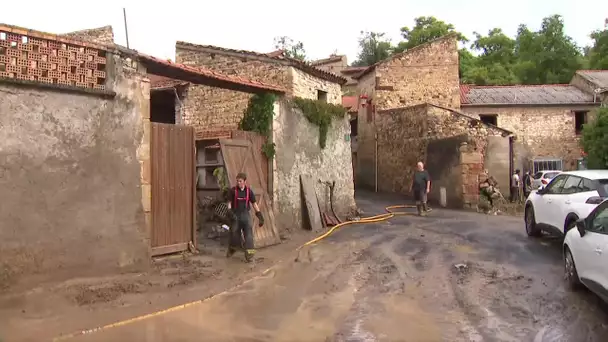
(371, 219)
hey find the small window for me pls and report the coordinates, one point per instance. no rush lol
(490, 119)
(322, 95)
(580, 118)
(571, 185)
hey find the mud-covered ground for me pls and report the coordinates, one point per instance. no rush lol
(453, 276)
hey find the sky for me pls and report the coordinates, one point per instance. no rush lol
(324, 26)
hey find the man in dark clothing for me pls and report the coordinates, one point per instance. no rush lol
(421, 185)
(242, 199)
(527, 184)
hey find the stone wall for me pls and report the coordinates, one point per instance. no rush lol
(426, 73)
(210, 108)
(365, 172)
(102, 35)
(71, 168)
(307, 86)
(404, 135)
(542, 132)
(298, 152)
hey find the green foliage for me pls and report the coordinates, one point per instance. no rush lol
(290, 47)
(258, 118)
(595, 141)
(425, 29)
(222, 179)
(544, 56)
(598, 53)
(373, 47)
(321, 114)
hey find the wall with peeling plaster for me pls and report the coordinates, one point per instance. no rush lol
(298, 152)
(70, 180)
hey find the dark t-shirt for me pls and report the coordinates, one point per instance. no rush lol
(240, 204)
(420, 180)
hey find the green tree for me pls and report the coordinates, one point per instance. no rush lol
(373, 47)
(546, 56)
(598, 53)
(595, 141)
(496, 60)
(424, 30)
(290, 47)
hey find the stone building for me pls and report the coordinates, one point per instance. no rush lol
(213, 112)
(338, 65)
(77, 150)
(547, 119)
(213, 109)
(593, 82)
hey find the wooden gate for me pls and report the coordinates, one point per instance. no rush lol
(238, 157)
(173, 190)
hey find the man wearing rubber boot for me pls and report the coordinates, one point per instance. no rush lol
(421, 185)
(241, 200)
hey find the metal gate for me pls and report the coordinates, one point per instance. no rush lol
(239, 156)
(173, 192)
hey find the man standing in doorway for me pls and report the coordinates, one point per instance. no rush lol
(515, 185)
(241, 200)
(421, 185)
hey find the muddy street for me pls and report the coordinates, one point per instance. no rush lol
(453, 276)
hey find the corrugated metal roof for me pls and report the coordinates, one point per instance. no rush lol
(549, 94)
(597, 77)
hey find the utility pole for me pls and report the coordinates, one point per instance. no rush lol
(124, 14)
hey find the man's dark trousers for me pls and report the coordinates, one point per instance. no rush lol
(242, 224)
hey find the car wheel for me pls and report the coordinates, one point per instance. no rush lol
(531, 227)
(570, 273)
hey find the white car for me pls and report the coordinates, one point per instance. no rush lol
(569, 196)
(543, 178)
(586, 253)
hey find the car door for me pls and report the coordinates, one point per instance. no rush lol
(567, 202)
(592, 250)
(545, 206)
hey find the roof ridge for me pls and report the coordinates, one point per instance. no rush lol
(304, 66)
(471, 86)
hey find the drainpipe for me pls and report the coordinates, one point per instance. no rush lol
(376, 160)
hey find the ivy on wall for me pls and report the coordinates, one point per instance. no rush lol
(258, 118)
(320, 113)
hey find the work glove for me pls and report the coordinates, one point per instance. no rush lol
(260, 218)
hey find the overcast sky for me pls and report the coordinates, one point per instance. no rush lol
(324, 26)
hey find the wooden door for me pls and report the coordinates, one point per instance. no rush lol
(238, 157)
(173, 188)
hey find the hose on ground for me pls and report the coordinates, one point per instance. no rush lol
(390, 213)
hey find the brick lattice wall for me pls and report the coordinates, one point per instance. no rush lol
(53, 62)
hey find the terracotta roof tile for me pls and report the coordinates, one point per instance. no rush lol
(159, 82)
(548, 94)
(278, 55)
(330, 59)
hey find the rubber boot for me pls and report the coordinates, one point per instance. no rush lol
(249, 255)
(426, 207)
(419, 209)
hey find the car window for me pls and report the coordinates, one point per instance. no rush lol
(586, 185)
(538, 175)
(571, 185)
(600, 221)
(556, 185)
(602, 188)
(551, 175)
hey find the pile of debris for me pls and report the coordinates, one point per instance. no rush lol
(216, 222)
